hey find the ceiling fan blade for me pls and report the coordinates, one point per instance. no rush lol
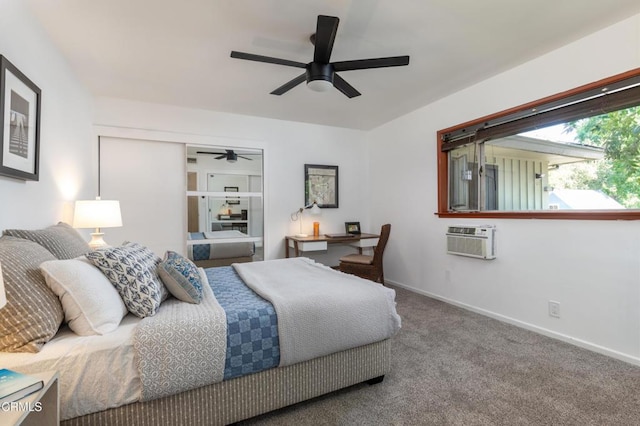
(361, 64)
(246, 158)
(340, 84)
(211, 153)
(290, 85)
(221, 157)
(326, 30)
(267, 59)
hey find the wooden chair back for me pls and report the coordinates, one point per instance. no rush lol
(382, 243)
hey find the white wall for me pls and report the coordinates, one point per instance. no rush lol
(591, 267)
(66, 149)
(287, 147)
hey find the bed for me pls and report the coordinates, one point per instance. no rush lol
(112, 377)
(213, 254)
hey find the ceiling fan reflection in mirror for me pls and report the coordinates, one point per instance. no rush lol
(320, 74)
(230, 155)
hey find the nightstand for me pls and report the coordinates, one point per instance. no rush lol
(46, 400)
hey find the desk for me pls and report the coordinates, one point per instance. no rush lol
(311, 243)
(228, 224)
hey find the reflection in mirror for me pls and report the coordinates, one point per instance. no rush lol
(224, 205)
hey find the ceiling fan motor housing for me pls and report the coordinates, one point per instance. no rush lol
(318, 71)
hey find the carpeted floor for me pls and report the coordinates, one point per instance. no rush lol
(454, 367)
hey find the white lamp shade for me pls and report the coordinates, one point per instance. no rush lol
(3, 295)
(97, 214)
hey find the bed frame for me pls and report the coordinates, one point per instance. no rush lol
(248, 396)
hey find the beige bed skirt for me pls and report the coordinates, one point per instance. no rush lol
(244, 397)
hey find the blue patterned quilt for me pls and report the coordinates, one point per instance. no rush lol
(252, 326)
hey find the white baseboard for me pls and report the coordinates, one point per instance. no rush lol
(540, 330)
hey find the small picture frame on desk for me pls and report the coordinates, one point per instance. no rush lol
(352, 228)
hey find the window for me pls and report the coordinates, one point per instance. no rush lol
(575, 155)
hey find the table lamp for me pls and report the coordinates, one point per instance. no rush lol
(314, 209)
(97, 214)
(225, 209)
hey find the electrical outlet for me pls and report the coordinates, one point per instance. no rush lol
(554, 309)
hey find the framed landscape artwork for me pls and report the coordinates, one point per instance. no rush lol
(20, 123)
(232, 200)
(321, 185)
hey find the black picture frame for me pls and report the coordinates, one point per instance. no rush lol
(20, 101)
(352, 228)
(321, 185)
(232, 200)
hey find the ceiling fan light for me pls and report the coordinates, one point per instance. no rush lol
(319, 85)
(232, 157)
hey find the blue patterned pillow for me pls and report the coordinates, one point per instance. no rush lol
(181, 276)
(132, 269)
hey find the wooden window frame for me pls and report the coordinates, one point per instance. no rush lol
(443, 164)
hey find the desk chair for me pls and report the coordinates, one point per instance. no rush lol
(369, 267)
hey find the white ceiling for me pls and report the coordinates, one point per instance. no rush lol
(177, 51)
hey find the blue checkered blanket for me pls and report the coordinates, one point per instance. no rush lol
(200, 251)
(252, 325)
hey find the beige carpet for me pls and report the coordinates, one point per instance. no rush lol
(454, 367)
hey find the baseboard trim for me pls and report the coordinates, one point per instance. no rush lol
(540, 330)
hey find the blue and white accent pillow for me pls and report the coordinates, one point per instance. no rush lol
(182, 277)
(132, 269)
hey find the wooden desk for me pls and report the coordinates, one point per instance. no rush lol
(311, 243)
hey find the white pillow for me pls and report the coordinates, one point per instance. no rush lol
(90, 302)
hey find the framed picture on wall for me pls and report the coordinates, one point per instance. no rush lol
(321, 185)
(20, 123)
(232, 200)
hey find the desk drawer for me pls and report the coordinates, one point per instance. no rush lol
(310, 245)
(366, 242)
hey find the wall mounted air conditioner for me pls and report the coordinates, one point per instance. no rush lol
(472, 240)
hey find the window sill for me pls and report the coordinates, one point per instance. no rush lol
(547, 214)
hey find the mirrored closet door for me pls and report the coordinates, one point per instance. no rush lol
(225, 214)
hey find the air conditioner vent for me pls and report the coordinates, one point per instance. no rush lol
(472, 241)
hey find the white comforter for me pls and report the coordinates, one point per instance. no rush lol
(320, 310)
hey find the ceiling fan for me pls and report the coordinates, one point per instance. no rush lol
(320, 74)
(230, 155)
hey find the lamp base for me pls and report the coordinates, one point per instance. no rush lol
(302, 235)
(97, 241)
